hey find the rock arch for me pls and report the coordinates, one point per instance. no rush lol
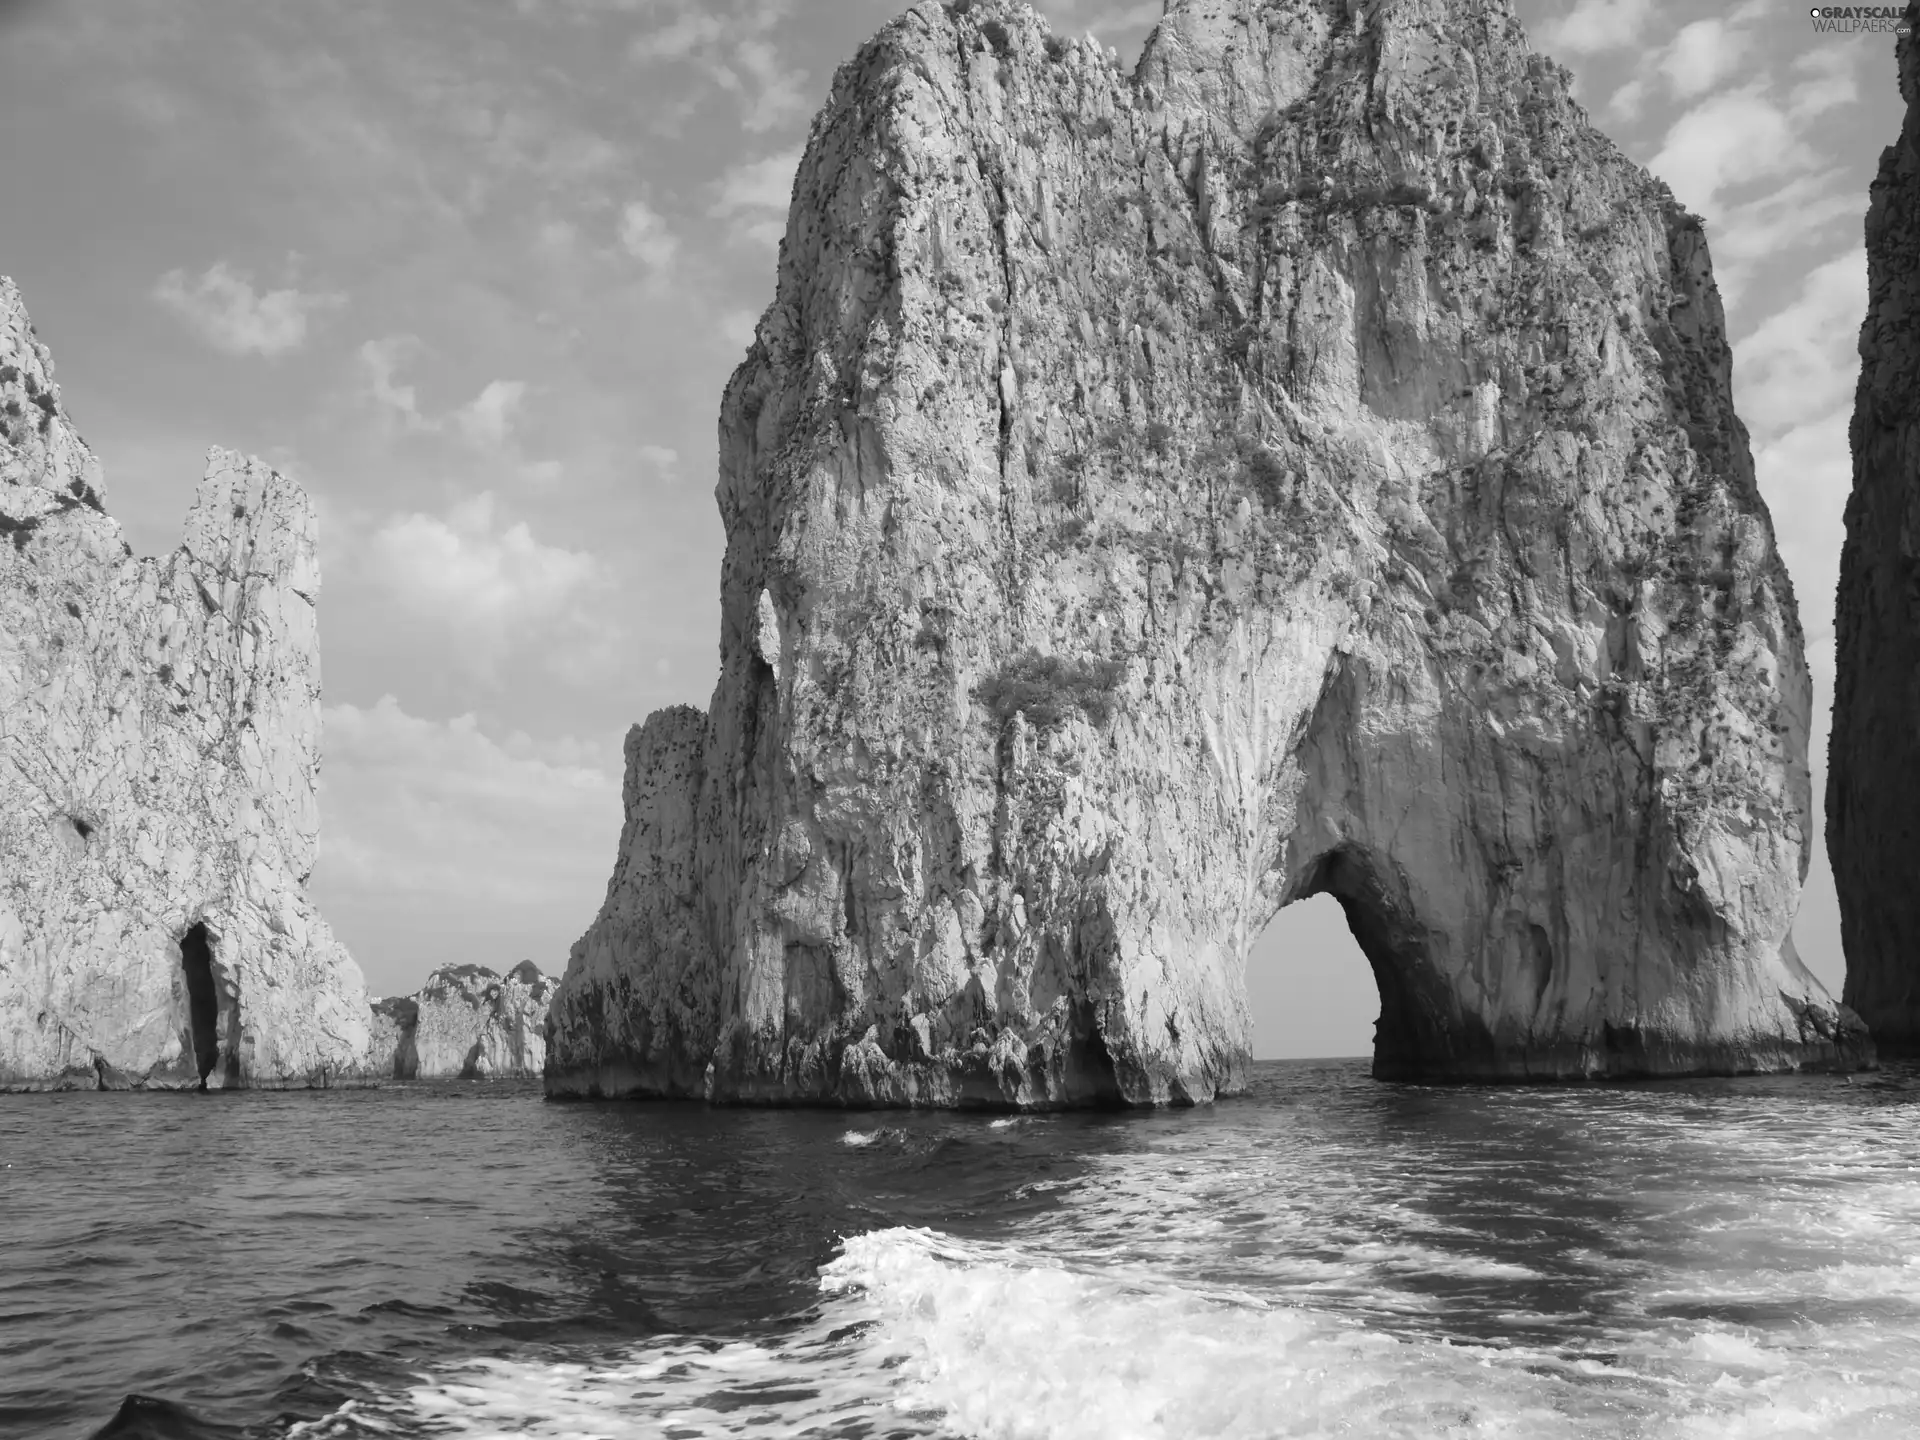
(1335, 487)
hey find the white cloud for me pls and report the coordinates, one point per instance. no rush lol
(664, 462)
(1800, 364)
(487, 419)
(542, 472)
(736, 55)
(225, 310)
(380, 362)
(1702, 55)
(756, 193)
(1830, 78)
(687, 33)
(1628, 100)
(774, 93)
(1596, 25)
(1729, 139)
(647, 237)
(738, 327)
(489, 585)
(422, 810)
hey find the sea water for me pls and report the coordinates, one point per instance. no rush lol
(1323, 1256)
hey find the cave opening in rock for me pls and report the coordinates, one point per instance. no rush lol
(203, 1002)
(1309, 986)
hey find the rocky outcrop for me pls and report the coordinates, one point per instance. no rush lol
(1873, 762)
(465, 1023)
(1306, 465)
(159, 751)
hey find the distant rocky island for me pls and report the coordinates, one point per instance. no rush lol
(1304, 465)
(465, 1023)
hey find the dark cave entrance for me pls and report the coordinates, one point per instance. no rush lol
(203, 1002)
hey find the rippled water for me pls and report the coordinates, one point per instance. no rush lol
(1326, 1256)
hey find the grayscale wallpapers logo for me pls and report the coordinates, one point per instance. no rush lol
(1860, 19)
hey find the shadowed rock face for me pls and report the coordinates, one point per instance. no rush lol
(1304, 466)
(465, 1023)
(1873, 776)
(159, 751)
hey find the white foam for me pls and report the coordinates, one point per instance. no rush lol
(920, 1333)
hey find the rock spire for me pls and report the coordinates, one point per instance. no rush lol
(159, 749)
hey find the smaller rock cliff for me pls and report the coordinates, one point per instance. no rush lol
(465, 1023)
(1873, 774)
(159, 758)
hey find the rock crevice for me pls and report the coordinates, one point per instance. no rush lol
(1307, 464)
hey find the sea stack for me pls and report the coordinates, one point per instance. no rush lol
(465, 1023)
(159, 751)
(1304, 465)
(1873, 758)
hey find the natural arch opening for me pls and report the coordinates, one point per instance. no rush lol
(203, 1001)
(1309, 986)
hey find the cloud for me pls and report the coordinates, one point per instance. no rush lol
(419, 811)
(223, 308)
(734, 53)
(1596, 25)
(756, 193)
(738, 327)
(380, 361)
(774, 93)
(646, 236)
(1731, 138)
(489, 585)
(1800, 364)
(1702, 55)
(487, 419)
(664, 462)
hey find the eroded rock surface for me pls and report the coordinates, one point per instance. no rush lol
(1304, 465)
(465, 1023)
(1873, 774)
(159, 751)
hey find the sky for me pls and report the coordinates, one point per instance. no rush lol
(476, 271)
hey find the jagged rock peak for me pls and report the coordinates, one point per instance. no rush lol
(1307, 465)
(1873, 774)
(467, 1023)
(159, 752)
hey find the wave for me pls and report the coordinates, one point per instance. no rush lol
(922, 1333)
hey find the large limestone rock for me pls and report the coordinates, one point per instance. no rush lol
(1873, 771)
(465, 1023)
(159, 749)
(1307, 465)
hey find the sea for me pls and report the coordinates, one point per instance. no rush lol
(1323, 1256)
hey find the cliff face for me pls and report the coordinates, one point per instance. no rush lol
(465, 1023)
(159, 748)
(1306, 465)
(1873, 774)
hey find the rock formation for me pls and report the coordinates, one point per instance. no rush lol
(1306, 465)
(1873, 762)
(465, 1023)
(159, 748)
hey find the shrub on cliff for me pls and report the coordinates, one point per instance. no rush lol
(1048, 688)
